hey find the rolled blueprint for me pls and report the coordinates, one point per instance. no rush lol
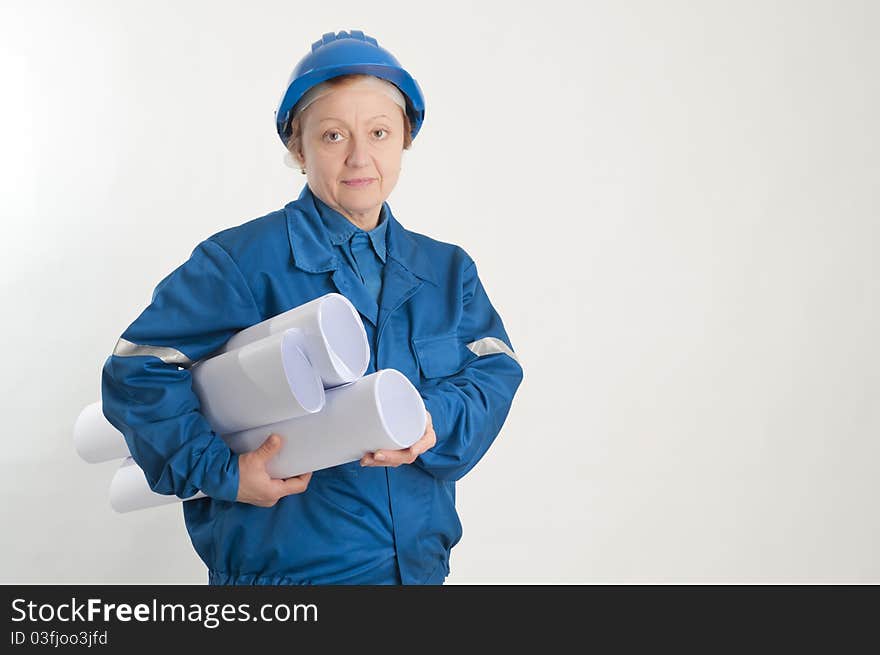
(280, 371)
(127, 489)
(334, 338)
(382, 410)
(264, 381)
(95, 438)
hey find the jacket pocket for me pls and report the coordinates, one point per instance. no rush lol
(443, 355)
(339, 486)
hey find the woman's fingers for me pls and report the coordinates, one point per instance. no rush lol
(295, 485)
(403, 456)
(388, 458)
(425, 443)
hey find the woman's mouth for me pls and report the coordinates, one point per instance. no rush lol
(358, 182)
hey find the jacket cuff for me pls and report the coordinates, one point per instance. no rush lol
(434, 405)
(217, 475)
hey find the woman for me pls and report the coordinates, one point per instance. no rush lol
(347, 115)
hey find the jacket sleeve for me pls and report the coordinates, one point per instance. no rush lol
(472, 376)
(146, 384)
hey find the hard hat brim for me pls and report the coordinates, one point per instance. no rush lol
(397, 76)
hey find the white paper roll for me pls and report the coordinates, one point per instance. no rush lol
(380, 411)
(130, 491)
(262, 382)
(95, 438)
(335, 340)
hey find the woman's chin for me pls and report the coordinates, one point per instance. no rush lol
(360, 200)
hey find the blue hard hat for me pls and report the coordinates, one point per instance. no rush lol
(346, 53)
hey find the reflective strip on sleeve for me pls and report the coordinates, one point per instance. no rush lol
(125, 348)
(491, 346)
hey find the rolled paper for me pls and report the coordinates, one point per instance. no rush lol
(381, 411)
(264, 381)
(127, 490)
(265, 384)
(95, 438)
(334, 338)
(261, 382)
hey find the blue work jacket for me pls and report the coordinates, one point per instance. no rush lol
(353, 524)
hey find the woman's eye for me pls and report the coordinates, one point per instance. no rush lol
(381, 133)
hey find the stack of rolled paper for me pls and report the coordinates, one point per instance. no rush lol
(300, 375)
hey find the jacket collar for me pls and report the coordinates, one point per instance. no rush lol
(312, 250)
(341, 229)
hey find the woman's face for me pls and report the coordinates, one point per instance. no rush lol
(349, 135)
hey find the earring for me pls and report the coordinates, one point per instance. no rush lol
(303, 171)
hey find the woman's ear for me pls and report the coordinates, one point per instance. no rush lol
(297, 154)
(293, 161)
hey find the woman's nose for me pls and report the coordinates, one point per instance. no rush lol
(358, 155)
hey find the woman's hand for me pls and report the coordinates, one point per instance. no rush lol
(405, 456)
(255, 487)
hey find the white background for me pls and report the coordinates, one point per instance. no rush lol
(673, 206)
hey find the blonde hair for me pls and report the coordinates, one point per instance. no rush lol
(294, 142)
